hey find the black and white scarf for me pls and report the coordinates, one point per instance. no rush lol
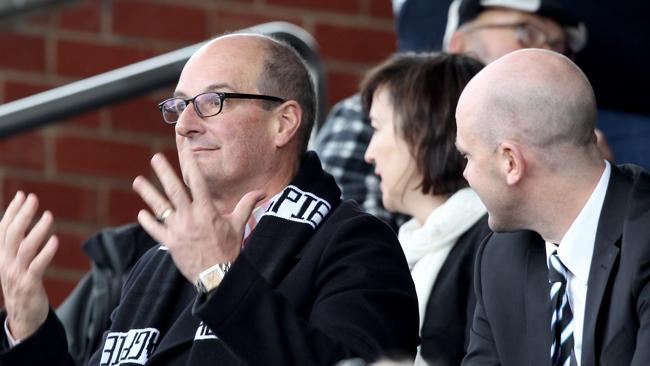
(292, 217)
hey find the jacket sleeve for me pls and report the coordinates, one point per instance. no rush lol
(642, 352)
(48, 346)
(482, 350)
(364, 305)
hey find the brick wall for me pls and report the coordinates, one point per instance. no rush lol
(82, 168)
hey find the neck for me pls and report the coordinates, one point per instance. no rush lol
(271, 182)
(420, 205)
(569, 194)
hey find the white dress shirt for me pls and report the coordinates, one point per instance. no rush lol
(576, 250)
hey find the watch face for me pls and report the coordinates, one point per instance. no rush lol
(211, 278)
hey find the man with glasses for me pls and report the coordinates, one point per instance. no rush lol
(260, 262)
(490, 29)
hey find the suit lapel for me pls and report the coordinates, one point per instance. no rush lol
(538, 306)
(274, 247)
(606, 250)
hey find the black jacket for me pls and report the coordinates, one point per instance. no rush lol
(450, 309)
(85, 314)
(513, 311)
(287, 300)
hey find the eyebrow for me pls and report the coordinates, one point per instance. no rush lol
(211, 87)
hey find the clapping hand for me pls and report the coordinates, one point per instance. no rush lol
(24, 256)
(195, 233)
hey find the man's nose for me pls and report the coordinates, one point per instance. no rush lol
(189, 122)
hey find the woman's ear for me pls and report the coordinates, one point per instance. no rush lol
(288, 118)
(512, 162)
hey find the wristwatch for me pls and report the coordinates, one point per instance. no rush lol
(211, 278)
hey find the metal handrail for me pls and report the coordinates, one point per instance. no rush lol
(97, 91)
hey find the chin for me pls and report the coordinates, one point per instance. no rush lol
(387, 205)
(501, 226)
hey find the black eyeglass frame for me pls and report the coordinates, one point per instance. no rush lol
(519, 28)
(222, 97)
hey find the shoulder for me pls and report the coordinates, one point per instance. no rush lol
(348, 218)
(352, 233)
(475, 235)
(502, 254)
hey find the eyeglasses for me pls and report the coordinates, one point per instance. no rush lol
(528, 35)
(205, 104)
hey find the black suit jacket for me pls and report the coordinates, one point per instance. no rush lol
(450, 308)
(512, 318)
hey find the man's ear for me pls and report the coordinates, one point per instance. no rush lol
(511, 162)
(458, 42)
(288, 118)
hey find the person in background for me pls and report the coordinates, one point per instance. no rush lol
(565, 280)
(473, 27)
(489, 29)
(411, 99)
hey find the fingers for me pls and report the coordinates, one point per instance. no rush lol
(152, 226)
(173, 186)
(15, 204)
(18, 226)
(197, 183)
(245, 207)
(38, 266)
(33, 241)
(150, 195)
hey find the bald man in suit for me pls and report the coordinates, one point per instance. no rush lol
(526, 126)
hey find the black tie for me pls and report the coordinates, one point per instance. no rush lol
(562, 317)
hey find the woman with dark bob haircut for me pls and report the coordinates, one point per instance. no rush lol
(411, 100)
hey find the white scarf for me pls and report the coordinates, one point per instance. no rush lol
(427, 246)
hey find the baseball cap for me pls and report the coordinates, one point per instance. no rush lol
(463, 11)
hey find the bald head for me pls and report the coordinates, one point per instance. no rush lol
(270, 66)
(535, 97)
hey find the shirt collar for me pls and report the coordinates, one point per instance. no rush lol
(577, 246)
(256, 216)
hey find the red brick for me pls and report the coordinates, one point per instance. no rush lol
(70, 255)
(383, 8)
(341, 86)
(140, 115)
(23, 151)
(58, 289)
(339, 6)
(22, 52)
(65, 201)
(123, 207)
(40, 19)
(172, 156)
(17, 89)
(84, 17)
(355, 44)
(101, 157)
(86, 59)
(160, 21)
(227, 20)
